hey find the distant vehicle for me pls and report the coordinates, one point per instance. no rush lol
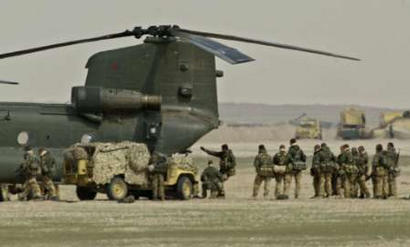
(308, 128)
(393, 125)
(352, 124)
(121, 169)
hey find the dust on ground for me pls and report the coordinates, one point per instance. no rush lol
(235, 221)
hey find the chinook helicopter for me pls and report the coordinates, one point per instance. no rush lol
(162, 93)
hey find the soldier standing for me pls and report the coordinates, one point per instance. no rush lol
(393, 162)
(227, 163)
(349, 170)
(30, 170)
(158, 167)
(264, 171)
(211, 180)
(47, 164)
(315, 172)
(380, 173)
(361, 161)
(280, 161)
(296, 163)
(327, 167)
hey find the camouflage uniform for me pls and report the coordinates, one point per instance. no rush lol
(392, 160)
(47, 164)
(160, 166)
(380, 173)
(315, 172)
(211, 180)
(327, 168)
(348, 171)
(264, 170)
(295, 160)
(280, 159)
(30, 170)
(361, 161)
(227, 163)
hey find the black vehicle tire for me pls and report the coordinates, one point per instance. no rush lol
(117, 189)
(85, 193)
(184, 188)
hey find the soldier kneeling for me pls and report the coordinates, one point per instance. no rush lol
(211, 180)
(30, 170)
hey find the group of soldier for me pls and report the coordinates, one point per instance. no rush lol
(344, 175)
(347, 172)
(37, 171)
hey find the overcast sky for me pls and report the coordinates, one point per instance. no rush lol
(377, 31)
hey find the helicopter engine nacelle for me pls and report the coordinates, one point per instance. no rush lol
(108, 100)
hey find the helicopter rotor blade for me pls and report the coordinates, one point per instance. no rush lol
(261, 42)
(74, 42)
(226, 53)
(9, 82)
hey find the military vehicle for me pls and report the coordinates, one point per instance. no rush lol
(393, 125)
(161, 93)
(352, 124)
(120, 169)
(308, 128)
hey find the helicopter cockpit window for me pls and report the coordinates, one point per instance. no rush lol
(23, 138)
(85, 139)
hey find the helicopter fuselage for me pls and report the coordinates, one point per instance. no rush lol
(180, 74)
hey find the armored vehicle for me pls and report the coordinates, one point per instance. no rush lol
(352, 124)
(308, 128)
(393, 125)
(122, 169)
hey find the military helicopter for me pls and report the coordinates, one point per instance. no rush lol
(162, 93)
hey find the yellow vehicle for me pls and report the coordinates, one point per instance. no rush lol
(122, 169)
(308, 128)
(352, 124)
(393, 125)
(388, 117)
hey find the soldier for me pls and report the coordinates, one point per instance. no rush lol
(211, 180)
(380, 173)
(337, 177)
(158, 167)
(30, 170)
(47, 164)
(349, 170)
(361, 161)
(264, 171)
(296, 163)
(227, 163)
(315, 172)
(327, 168)
(280, 161)
(394, 171)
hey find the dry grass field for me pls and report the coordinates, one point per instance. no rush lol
(235, 221)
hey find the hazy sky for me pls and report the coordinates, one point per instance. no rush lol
(378, 31)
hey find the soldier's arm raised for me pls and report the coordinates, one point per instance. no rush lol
(213, 153)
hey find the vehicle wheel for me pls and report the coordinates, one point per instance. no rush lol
(117, 189)
(85, 193)
(184, 188)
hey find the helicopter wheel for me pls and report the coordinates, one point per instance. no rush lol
(85, 193)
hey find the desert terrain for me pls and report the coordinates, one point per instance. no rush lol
(236, 221)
